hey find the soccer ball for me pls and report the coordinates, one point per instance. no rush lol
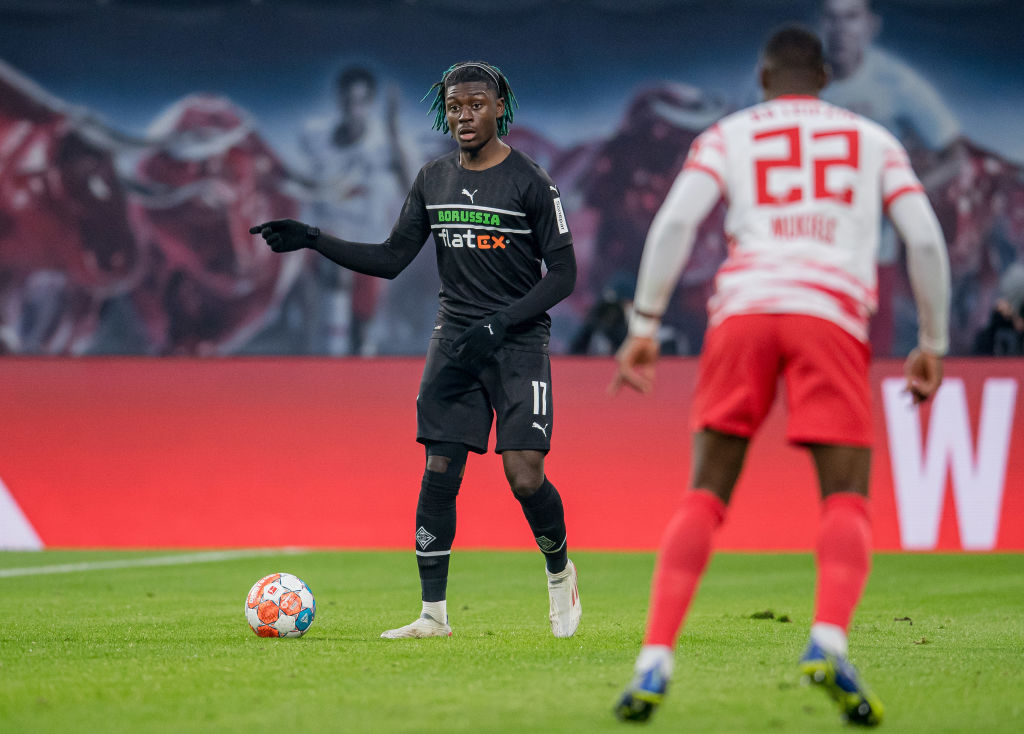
(280, 605)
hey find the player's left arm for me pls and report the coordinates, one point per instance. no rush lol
(543, 207)
(928, 266)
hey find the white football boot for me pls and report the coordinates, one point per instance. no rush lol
(425, 626)
(564, 594)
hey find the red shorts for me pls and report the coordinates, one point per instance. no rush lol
(825, 369)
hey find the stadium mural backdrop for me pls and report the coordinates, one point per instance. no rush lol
(140, 139)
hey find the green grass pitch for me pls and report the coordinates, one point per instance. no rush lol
(165, 648)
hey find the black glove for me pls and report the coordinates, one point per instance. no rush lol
(481, 339)
(285, 235)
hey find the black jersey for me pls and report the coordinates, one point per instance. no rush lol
(491, 228)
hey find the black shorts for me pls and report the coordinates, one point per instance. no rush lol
(456, 405)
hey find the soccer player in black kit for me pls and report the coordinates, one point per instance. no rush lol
(495, 216)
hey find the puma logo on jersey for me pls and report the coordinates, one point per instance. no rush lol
(466, 192)
(543, 429)
(554, 189)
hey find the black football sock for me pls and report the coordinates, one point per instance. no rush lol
(435, 524)
(543, 510)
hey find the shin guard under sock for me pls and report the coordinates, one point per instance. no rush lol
(435, 528)
(682, 558)
(544, 512)
(843, 557)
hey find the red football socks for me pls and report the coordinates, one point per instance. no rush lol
(682, 558)
(844, 557)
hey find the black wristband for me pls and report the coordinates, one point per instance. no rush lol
(312, 233)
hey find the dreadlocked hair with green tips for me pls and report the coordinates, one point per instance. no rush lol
(472, 71)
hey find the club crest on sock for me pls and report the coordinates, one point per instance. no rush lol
(424, 537)
(545, 543)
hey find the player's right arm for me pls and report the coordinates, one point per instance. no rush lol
(383, 259)
(666, 250)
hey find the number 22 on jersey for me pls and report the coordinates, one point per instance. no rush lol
(813, 181)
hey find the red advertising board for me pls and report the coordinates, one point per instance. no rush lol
(266, 452)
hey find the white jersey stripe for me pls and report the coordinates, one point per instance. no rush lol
(461, 226)
(476, 209)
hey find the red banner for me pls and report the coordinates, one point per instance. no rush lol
(146, 453)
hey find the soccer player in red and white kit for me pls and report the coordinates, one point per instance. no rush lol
(805, 183)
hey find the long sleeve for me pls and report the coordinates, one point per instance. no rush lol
(386, 259)
(556, 285)
(928, 266)
(383, 260)
(668, 246)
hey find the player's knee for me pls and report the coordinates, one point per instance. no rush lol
(717, 462)
(438, 464)
(842, 469)
(525, 480)
(437, 492)
(447, 458)
(525, 489)
(442, 478)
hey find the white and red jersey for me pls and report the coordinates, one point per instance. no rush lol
(806, 183)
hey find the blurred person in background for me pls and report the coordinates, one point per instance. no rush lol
(1003, 336)
(604, 327)
(361, 168)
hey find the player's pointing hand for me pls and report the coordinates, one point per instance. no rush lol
(636, 359)
(286, 235)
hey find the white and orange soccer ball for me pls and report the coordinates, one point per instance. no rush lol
(280, 605)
